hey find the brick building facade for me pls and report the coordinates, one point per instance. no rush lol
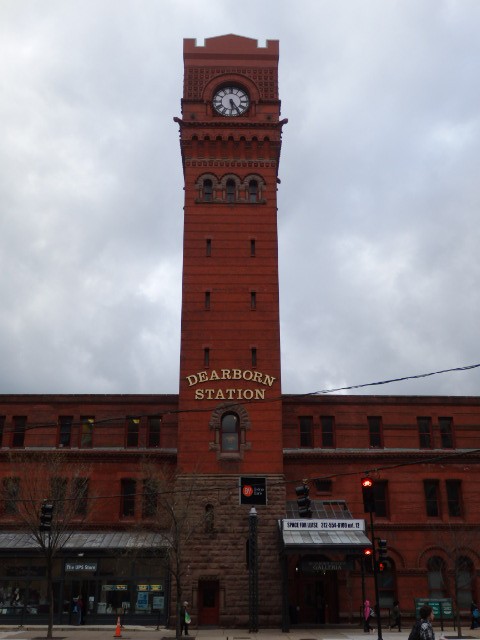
(127, 455)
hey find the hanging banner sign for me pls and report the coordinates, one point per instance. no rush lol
(325, 525)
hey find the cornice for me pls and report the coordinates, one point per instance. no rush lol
(86, 455)
(427, 455)
(230, 123)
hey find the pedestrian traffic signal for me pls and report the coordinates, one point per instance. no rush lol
(382, 550)
(303, 501)
(368, 495)
(381, 566)
(46, 516)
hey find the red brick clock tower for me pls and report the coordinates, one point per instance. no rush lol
(230, 420)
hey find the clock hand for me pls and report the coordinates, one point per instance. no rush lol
(234, 106)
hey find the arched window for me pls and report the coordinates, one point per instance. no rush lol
(207, 190)
(253, 191)
(229, 426)
(231, 187)
(436, 582)
(209, 518)
(464, 570)
(386, 584)
(230, 432)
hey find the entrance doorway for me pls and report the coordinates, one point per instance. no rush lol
(314, 598)
(72, 589)
(208, 603)
(314, 608)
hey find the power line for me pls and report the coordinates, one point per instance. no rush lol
(402, 379)
(226, 405)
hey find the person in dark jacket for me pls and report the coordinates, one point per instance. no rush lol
(396, 620)
(184, 618)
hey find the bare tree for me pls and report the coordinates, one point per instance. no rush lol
(169, 499)
(39, 478)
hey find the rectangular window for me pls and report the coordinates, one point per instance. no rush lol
(206, 357)
(19, 427)
(11, 490)
(81, 496)
(207, 300)
(425, 432)
(254, 356)
(133, 429)
(446, 432)
(150, 498)
(208, 247)
(375, 431)
(430, 488)
(323, 485)
(327, 426)
(65, 431)
(86, 436)
(253, 300)
(154, 431)
(2, 427)
(252, 248)
(306, 431)
(128, 489)
(380, 492)
(58, 492)
(454, 498)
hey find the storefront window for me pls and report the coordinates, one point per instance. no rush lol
(114, 598)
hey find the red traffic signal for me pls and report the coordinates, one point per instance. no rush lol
(381, 566)
(368, 495)
(368, 558)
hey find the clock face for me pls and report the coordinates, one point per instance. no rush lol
(230, 101)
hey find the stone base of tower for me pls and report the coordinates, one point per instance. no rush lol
(215, 575)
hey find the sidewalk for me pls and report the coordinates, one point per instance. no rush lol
(34, 632)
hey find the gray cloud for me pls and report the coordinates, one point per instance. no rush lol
(378, 206)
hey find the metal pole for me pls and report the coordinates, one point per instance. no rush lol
(253, 570)
(375, 579)
(362, 564)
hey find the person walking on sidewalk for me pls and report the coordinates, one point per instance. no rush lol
(396, 620)
(367, 617)
(184, 618)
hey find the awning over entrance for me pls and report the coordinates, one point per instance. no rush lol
(302, 540)
(17, 541)
(331, 527)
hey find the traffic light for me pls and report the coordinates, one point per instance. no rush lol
(46, 516)
(367, 558)
(368, 495)
(303, 501)
(382, 550)
(381, 566)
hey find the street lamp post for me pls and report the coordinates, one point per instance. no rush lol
(253, 570)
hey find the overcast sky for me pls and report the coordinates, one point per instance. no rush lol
(379, 232)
